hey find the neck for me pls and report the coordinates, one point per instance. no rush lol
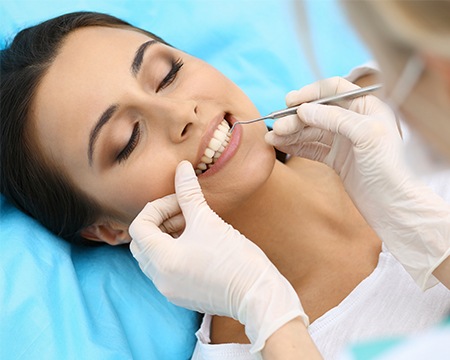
(306, 224)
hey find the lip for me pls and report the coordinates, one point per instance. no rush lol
(230, 149)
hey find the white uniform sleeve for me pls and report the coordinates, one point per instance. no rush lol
(365, 69)
(206, 351)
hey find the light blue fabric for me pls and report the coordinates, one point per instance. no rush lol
(254, 42)
(64, 302)
(432, 342)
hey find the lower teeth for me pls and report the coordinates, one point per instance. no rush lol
(208, 166)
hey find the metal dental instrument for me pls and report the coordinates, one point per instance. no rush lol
(325, 100)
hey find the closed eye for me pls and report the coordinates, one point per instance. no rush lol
(132, 143)
(135, 135)
(171, 75)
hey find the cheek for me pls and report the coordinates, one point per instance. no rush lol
(208, 82)
(127, 191)
(146, 189)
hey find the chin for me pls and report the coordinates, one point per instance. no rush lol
(240, 180)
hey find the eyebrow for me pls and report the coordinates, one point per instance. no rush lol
(139, 56)
(93, 136)
(109, 112)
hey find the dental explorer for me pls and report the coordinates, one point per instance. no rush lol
(329, 99)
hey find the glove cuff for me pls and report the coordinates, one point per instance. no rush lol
(271, 303)
(416, 230)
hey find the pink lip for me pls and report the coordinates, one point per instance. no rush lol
(230, 149)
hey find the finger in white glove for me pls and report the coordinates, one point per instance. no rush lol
(367, 152)
(295, 137)
(211, 267)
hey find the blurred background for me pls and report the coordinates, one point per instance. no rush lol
(268, 47)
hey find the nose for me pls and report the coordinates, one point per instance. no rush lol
(176, 116)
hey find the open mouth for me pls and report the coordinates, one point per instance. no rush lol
(215, 148)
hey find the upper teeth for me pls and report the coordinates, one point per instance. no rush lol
(215, 148)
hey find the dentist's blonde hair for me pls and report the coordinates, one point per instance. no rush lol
(423, 24)
(395, 31)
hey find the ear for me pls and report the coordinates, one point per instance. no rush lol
(110, 232)
(440, 66)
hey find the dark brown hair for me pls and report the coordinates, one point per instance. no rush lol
(28, 180)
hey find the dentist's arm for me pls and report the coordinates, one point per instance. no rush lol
(291, 342)
(360, 140)
(212, 268)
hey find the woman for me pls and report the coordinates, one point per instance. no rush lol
(108, 113)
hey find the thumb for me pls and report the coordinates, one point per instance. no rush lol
(188, 190)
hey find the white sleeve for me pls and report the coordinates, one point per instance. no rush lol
(206, 351)
(367, 68)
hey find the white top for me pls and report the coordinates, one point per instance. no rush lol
(386, 303)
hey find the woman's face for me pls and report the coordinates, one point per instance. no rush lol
(117, 111)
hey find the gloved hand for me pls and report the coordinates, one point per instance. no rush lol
(211, 267)
(361, 141)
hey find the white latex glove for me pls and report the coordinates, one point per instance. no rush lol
(361, 141)
(211, 267)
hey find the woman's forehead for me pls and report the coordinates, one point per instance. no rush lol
(84, 77)
(88, 58)
(103, 38)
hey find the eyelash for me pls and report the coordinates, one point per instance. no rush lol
(134, 139)
(135, 135)
(170, 77)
